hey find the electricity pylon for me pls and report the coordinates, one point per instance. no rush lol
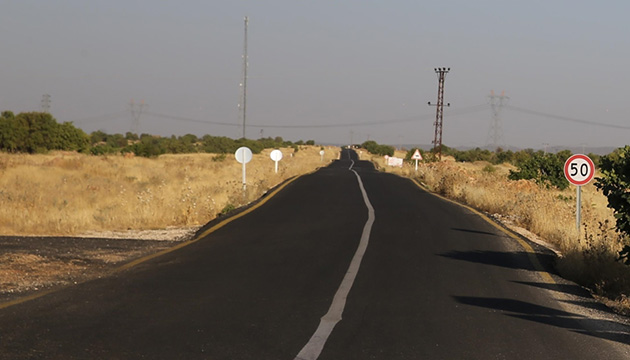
(136, 111)
(495, 133)
(439, 115)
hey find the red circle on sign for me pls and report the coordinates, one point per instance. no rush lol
(573, 169)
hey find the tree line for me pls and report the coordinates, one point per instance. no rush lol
(38, 132)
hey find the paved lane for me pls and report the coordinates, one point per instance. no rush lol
(436, 282)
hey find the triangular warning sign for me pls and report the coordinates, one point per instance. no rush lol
(416, 155)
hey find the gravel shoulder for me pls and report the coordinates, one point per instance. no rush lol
(29, 264)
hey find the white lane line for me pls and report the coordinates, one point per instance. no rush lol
(313, 348)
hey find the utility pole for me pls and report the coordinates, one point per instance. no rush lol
(439, 115)
(135, 114)
(46, 103)
(495, 133)
(243, 104)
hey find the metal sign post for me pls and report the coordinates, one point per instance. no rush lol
(243, 155)
(579, 169)
(416, 156)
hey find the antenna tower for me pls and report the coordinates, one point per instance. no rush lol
(136, 111)
(243, 103)
(495, 133)
(439, 115)
(45, 103)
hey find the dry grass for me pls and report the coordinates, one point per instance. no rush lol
(588, 258)
(69, 193)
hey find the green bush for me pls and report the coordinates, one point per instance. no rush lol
(374, 148)
(544, 168)
(219, 158)
(36, 132)
(489, 169)
(614, 183)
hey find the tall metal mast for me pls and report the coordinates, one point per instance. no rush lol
(46, 103)
(495, 133)
(243, 105)
(439, 115)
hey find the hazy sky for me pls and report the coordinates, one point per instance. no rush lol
(325, 62)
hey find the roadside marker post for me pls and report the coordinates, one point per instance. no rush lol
(417, 156)
(579, 169)
(276, 156)
(243, 155)
(321, 153)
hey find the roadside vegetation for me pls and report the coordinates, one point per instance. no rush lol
(67, 193)
(527, 191)
(39, 133)
(57, 180)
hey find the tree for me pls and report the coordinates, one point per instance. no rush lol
(131, 136)
(11, 134)
(36, 132)
(97, 137)
(376, 149)
(545, 169)
(615, 184)
(72, 138)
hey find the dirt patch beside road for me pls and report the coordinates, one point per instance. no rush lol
(32, 264)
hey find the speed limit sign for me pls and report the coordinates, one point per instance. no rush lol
(579, 169)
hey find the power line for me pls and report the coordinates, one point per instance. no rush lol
(566, 118)
(455, 112)
(181, 118)
(101, 118)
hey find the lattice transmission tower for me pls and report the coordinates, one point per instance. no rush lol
(439, 114)
(495, 132)
(136, 111)
(45, 105)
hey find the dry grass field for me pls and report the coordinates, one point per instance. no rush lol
(588, 257)
(70, 193)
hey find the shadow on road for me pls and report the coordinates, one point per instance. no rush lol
(474, 231)
(512, 260)
(604, 329)
(571, 289)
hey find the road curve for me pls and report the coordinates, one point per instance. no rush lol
(435, 281)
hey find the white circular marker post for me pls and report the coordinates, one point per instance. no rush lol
(579, 169)
(276, 155)
(321, 153)
(243, 155)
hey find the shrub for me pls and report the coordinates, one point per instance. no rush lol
(545, 169)
(614, 183)
(376, 149)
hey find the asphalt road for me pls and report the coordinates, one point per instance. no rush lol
(427, 279)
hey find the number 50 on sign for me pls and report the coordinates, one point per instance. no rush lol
(579, 169)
